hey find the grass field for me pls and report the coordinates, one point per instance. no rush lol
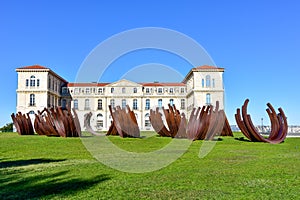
(38, 167)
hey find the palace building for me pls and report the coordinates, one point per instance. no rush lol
(39, 87)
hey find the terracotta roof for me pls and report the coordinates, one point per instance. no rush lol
(104, 84)
(162, 84)
(33, 67)
(208, 67)
(87, 84)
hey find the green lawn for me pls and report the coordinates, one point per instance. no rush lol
(40, 167)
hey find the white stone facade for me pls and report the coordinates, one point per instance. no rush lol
(202, 85)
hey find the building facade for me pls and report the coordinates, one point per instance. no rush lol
(39, 87)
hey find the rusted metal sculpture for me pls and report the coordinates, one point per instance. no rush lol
(176, 123)
(205, 123)
(57, 122)
(279, 125)
(22, 123)
(87, 125)
(124, 122)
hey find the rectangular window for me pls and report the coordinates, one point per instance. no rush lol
(159, 90)
(99, 104)
(160, 103)
(27, 82)
(147, 90)
(171, 90)
(38, 82)
(147, 107)
(112, 103)
(76, 104)
(171, 102)
(182, 104)
(87, 104)
(181, 90)
(32, 83)
(134, 107)
(87, 90)
(123, 103)
(100, 91)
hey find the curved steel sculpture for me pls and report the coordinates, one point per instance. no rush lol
(203, 123)
(22, 123)
(124, 122)
(50, 122)
(57, 122)
(279, 126)
(175, 121)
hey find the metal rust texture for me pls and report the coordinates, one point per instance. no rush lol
(207, 122)
(175, 122)
(124, 122)
(279, 126)
(22, 123)
(87, 124)
(204, 123)
(57, 122)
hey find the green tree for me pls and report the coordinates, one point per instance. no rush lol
(7, 128)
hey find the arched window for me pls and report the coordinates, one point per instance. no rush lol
(31, 112)
(112, 90)
(32, 81)
(134, 106)
(147, 107)
(75, 104)
(99, 104)
(147, 121)
(87, 104)
(99, 121)
(171, 102)
(99, 117)
(112, 103)
(160, 103)
(32, 100)
(123, 103)
(208, 99)
(207, 80)
(134, 90)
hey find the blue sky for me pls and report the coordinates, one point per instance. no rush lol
(257, 42)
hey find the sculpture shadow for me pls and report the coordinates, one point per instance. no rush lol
(19, 163)
(242, 139)
(60, 184)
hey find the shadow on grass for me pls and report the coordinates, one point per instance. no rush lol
(58, 184)
(19, 163)
(242, 139)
